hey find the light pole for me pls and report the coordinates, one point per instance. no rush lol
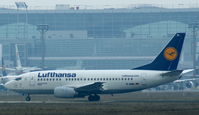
(195, 27)
(42, 28)
(22, 30)
(21, 5)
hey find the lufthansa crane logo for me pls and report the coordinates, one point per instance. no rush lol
(170, 53)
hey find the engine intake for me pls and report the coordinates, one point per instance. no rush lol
(64, 92)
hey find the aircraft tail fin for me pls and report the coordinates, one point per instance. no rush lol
(4, 73)
(168, 59)
(18, 61)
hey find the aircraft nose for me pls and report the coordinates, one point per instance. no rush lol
(9, 85)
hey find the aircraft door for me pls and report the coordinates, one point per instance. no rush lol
(32, 81)
(144, 79)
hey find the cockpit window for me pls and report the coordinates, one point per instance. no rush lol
(17, 79)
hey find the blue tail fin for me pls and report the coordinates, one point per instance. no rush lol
(168, 59)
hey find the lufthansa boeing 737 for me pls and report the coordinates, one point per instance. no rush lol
(91, 83)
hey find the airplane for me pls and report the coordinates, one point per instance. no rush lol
(93, 83)
(5, 77)
(19, 69)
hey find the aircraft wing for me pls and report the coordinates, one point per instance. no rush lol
(91, 88)
(9, 69)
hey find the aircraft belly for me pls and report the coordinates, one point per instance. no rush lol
(122, 87)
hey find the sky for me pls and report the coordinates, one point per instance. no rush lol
(104, 3)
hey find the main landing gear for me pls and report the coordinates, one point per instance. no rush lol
(94, 97)
(28, 98)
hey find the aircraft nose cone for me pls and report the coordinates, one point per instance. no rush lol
(9, 85)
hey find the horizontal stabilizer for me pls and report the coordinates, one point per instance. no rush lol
(185, 80)
(187, 71)
(172, 73)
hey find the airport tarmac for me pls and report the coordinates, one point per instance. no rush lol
(137, 103)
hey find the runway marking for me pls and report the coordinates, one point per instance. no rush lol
(111, 101)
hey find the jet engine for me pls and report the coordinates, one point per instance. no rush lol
(190, 84)
(64, 92)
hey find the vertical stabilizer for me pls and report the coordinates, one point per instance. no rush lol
(168, 58)
(18, 61)
(4, 73)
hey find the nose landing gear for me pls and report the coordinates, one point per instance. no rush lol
(28, 98)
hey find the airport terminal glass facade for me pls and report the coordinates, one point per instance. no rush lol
(94, 39)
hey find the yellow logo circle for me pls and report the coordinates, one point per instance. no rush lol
(170, 53)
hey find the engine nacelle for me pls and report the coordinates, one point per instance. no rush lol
(190, 84)
(64, 92)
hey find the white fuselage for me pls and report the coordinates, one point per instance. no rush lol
(114, 81)
(6, 79)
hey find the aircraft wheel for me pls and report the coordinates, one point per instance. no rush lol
(97, 97)
(94, 97)
(28, 98)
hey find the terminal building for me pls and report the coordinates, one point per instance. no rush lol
(96, 39)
